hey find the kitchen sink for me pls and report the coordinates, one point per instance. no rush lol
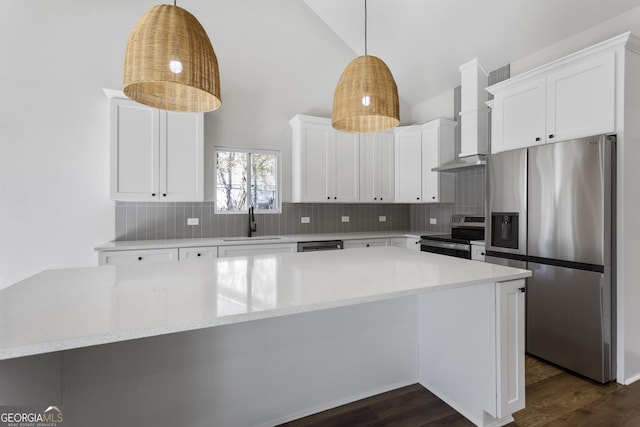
(251, 239)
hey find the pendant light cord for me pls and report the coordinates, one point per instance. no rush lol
(365, 27)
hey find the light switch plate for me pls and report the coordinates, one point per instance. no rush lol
(193, 221)
(305, 219)
(433, 221)
(344, 219)
(382, 218)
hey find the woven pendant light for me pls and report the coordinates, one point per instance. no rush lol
(366, 97)
(170, 63)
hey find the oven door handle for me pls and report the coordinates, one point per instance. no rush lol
(445, 245)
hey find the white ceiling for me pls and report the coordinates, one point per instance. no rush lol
(424, 41)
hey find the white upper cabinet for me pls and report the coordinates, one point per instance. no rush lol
(581, 99)
(437, 149)
(569, 98)
(325, 165)
(156, 155)
(344, 168)
(376, 167)
(518, 118)
(408, 165)
(418, 149)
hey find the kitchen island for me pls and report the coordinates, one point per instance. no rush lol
(247, 341)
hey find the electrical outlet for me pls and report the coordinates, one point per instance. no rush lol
(433, 221)
(344, 219)
(193, 221)
(305, 219)
(382, 218)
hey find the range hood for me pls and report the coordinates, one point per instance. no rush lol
(464, 163)
(472, 146)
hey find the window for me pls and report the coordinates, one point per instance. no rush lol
(247, 178)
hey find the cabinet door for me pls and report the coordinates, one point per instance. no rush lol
(436, 186)
(510, 351)
(413, 243)
(314, 165)
(344, 173)
(368, 168)
(376, 167)
(385, 167)
(255, 249)
(204, 252)
(518, 118)
(408, 167)
(134, 151)
(181, 157)
(581, 99)
(133, 257)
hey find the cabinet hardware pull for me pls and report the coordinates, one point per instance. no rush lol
(380, 198)
(368, 245)
(139, 258)
(328, 198)
(198, 254)
(482, 253)
(521, 289)
(153, 194)
(537, 138)
(550, 136)
(375, 198)
(335, 198)
(433, 197)
(164, 194)
(417, 198)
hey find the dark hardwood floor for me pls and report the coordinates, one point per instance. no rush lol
(554, 398)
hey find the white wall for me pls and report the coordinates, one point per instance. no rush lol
(277, 59)
(440, 106)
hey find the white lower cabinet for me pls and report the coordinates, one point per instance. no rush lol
(398, 242)
(203, 252)
(255, 249)
(365, 243)
(510, 347)
(477, 252)
(411, 243)
(132, 257)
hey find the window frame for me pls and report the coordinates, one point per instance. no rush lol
(249, 152)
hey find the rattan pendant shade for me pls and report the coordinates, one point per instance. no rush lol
(366, 97)
(170, 63)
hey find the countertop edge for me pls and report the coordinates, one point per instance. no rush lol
(81, 342)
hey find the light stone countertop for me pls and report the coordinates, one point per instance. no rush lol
(79, 307)
(130, 245)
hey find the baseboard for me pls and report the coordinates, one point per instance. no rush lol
(337, 403)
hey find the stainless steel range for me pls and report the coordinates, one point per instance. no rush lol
(464, 230)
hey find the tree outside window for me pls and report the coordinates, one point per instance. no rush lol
(246, 178)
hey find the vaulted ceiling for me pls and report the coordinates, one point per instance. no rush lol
(424, 41)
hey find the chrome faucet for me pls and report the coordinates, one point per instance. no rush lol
(253, 227)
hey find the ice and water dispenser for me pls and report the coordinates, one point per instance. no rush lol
(504, 230)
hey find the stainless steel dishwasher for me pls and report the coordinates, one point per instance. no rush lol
(324, 245)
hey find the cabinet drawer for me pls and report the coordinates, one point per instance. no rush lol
(365, 243)
(203, 252)
(245, 250)
(132, 257)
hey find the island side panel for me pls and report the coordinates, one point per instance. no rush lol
(457, 348)
(255, 373)
(31, 381)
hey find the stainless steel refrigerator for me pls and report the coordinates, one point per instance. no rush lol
(550, 208)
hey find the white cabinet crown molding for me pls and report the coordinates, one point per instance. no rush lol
(113, 93)
(627, 40)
